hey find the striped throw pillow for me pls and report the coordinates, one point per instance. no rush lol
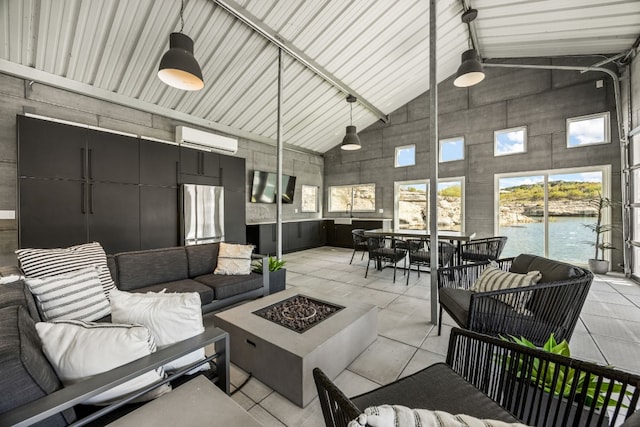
(78, 350)
(493, 279)
(50, 262)
(77, 295)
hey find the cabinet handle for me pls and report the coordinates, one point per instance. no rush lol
(90, 163)
(83, 161)
(83, 200)
(91, 198)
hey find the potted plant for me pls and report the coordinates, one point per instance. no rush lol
(277, 274)
(598, 264)
(569, 380)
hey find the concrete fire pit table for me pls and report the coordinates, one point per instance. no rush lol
(284, 359)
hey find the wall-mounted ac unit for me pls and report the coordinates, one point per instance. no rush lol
(206, 141)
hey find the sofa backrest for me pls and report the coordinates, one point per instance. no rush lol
(139, 269)
(552, 271)
(203, 259)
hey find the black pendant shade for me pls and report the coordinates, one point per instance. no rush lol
(470, 71)
(178, 67)
(351, 141)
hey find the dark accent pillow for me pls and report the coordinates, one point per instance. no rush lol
(25, 373)
(551, 270)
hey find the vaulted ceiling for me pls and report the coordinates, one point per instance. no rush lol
(376, 49)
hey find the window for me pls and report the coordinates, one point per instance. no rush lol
(451, 149)
(588, 130)
(405, 156)
(352, 198)
(309, 198)
(510, 141)
(412, 204)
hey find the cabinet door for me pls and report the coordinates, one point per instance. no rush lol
(233, 173)
(267, 239)
(210, 164)
(158, 163)
(114, 216)
(234, 217)
(158, 217)
(190, 161)
(294, 239)
(51, 150)
(112, 157)
(52, 213)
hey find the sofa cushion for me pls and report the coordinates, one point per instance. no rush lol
(186, 285)
(50, 262)
(457, 302)
(228, 286)
(17, 293)
(202, 258)
(75, 295)
(551, 270)
(138, 269)
(25, 373)
(445, 391)
(234, 259)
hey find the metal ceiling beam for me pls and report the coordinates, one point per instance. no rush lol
(252, 21)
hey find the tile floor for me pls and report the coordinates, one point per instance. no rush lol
(608, 331)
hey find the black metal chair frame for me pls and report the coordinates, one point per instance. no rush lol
(380, 253)
(486, 249)
(359, 243)
(504, 372)
(419, 254)
(552, 307)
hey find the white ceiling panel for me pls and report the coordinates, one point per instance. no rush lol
(378, 49)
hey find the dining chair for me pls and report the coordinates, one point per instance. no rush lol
(380, 253)
(486, 249)
(359, 243)
(420, 254)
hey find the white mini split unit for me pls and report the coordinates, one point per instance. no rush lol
(206, 141)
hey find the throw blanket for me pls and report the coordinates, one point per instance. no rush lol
(401, 416)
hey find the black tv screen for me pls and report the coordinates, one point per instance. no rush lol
(263, 189)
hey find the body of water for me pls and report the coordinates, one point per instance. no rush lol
(567, 237)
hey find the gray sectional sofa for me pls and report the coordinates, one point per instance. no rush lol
(185, 269)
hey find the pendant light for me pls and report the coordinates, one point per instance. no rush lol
(178, 68)
(351, 141)
(470, 72)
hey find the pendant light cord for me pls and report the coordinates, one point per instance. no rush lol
(351, 113)
(181, 17)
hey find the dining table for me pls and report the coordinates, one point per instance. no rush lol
(456, 237)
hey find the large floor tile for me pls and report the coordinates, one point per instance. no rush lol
(421, 360)
(621, 354)
(614, 328)
(264, 417)
(291, 414)
(408, 329)
(608, 297)
(615, 311)
(435, 343)
(583, 347)
(353, 384)
(383, 361)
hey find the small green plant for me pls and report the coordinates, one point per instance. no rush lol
(566, 376)
(275, 264)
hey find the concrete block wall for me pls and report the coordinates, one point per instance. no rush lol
(541, 100)
(19, 96)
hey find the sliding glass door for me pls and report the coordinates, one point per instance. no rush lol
(549, 213)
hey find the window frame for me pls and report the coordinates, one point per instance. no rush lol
(446, 140)
(404, 147)
(507, 130)
(330, 208)
(607, 128)
(315, 196)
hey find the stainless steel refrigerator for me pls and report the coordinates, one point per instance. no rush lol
(202, 214)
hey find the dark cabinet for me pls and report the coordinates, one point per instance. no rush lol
(339, 235)
(234, 216)
(158, 217)
(158, 163)
(199, 167)
(112, 157)
(293, 238)
(233, 173)
(113, 216)
(296, 236)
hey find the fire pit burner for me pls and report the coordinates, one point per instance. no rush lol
(298, 313)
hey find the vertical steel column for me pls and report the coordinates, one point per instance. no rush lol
(433, 139)
(279, 162)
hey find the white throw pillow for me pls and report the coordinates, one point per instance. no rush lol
(234, 259)
(49, 262)
(77, 350)
(493, 279)
(171, 317)
(77, 295)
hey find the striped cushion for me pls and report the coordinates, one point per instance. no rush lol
(78, 350)
(49, 262)
(77, 295)
(493, 279)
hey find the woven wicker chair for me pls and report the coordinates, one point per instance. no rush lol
(551, 306)
(359, 243)
(482, 249)
(381, 253)
(420, 254)
(489, 378)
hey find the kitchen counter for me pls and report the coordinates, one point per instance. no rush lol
(335, 220)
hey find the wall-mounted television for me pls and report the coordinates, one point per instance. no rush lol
(263, 189)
